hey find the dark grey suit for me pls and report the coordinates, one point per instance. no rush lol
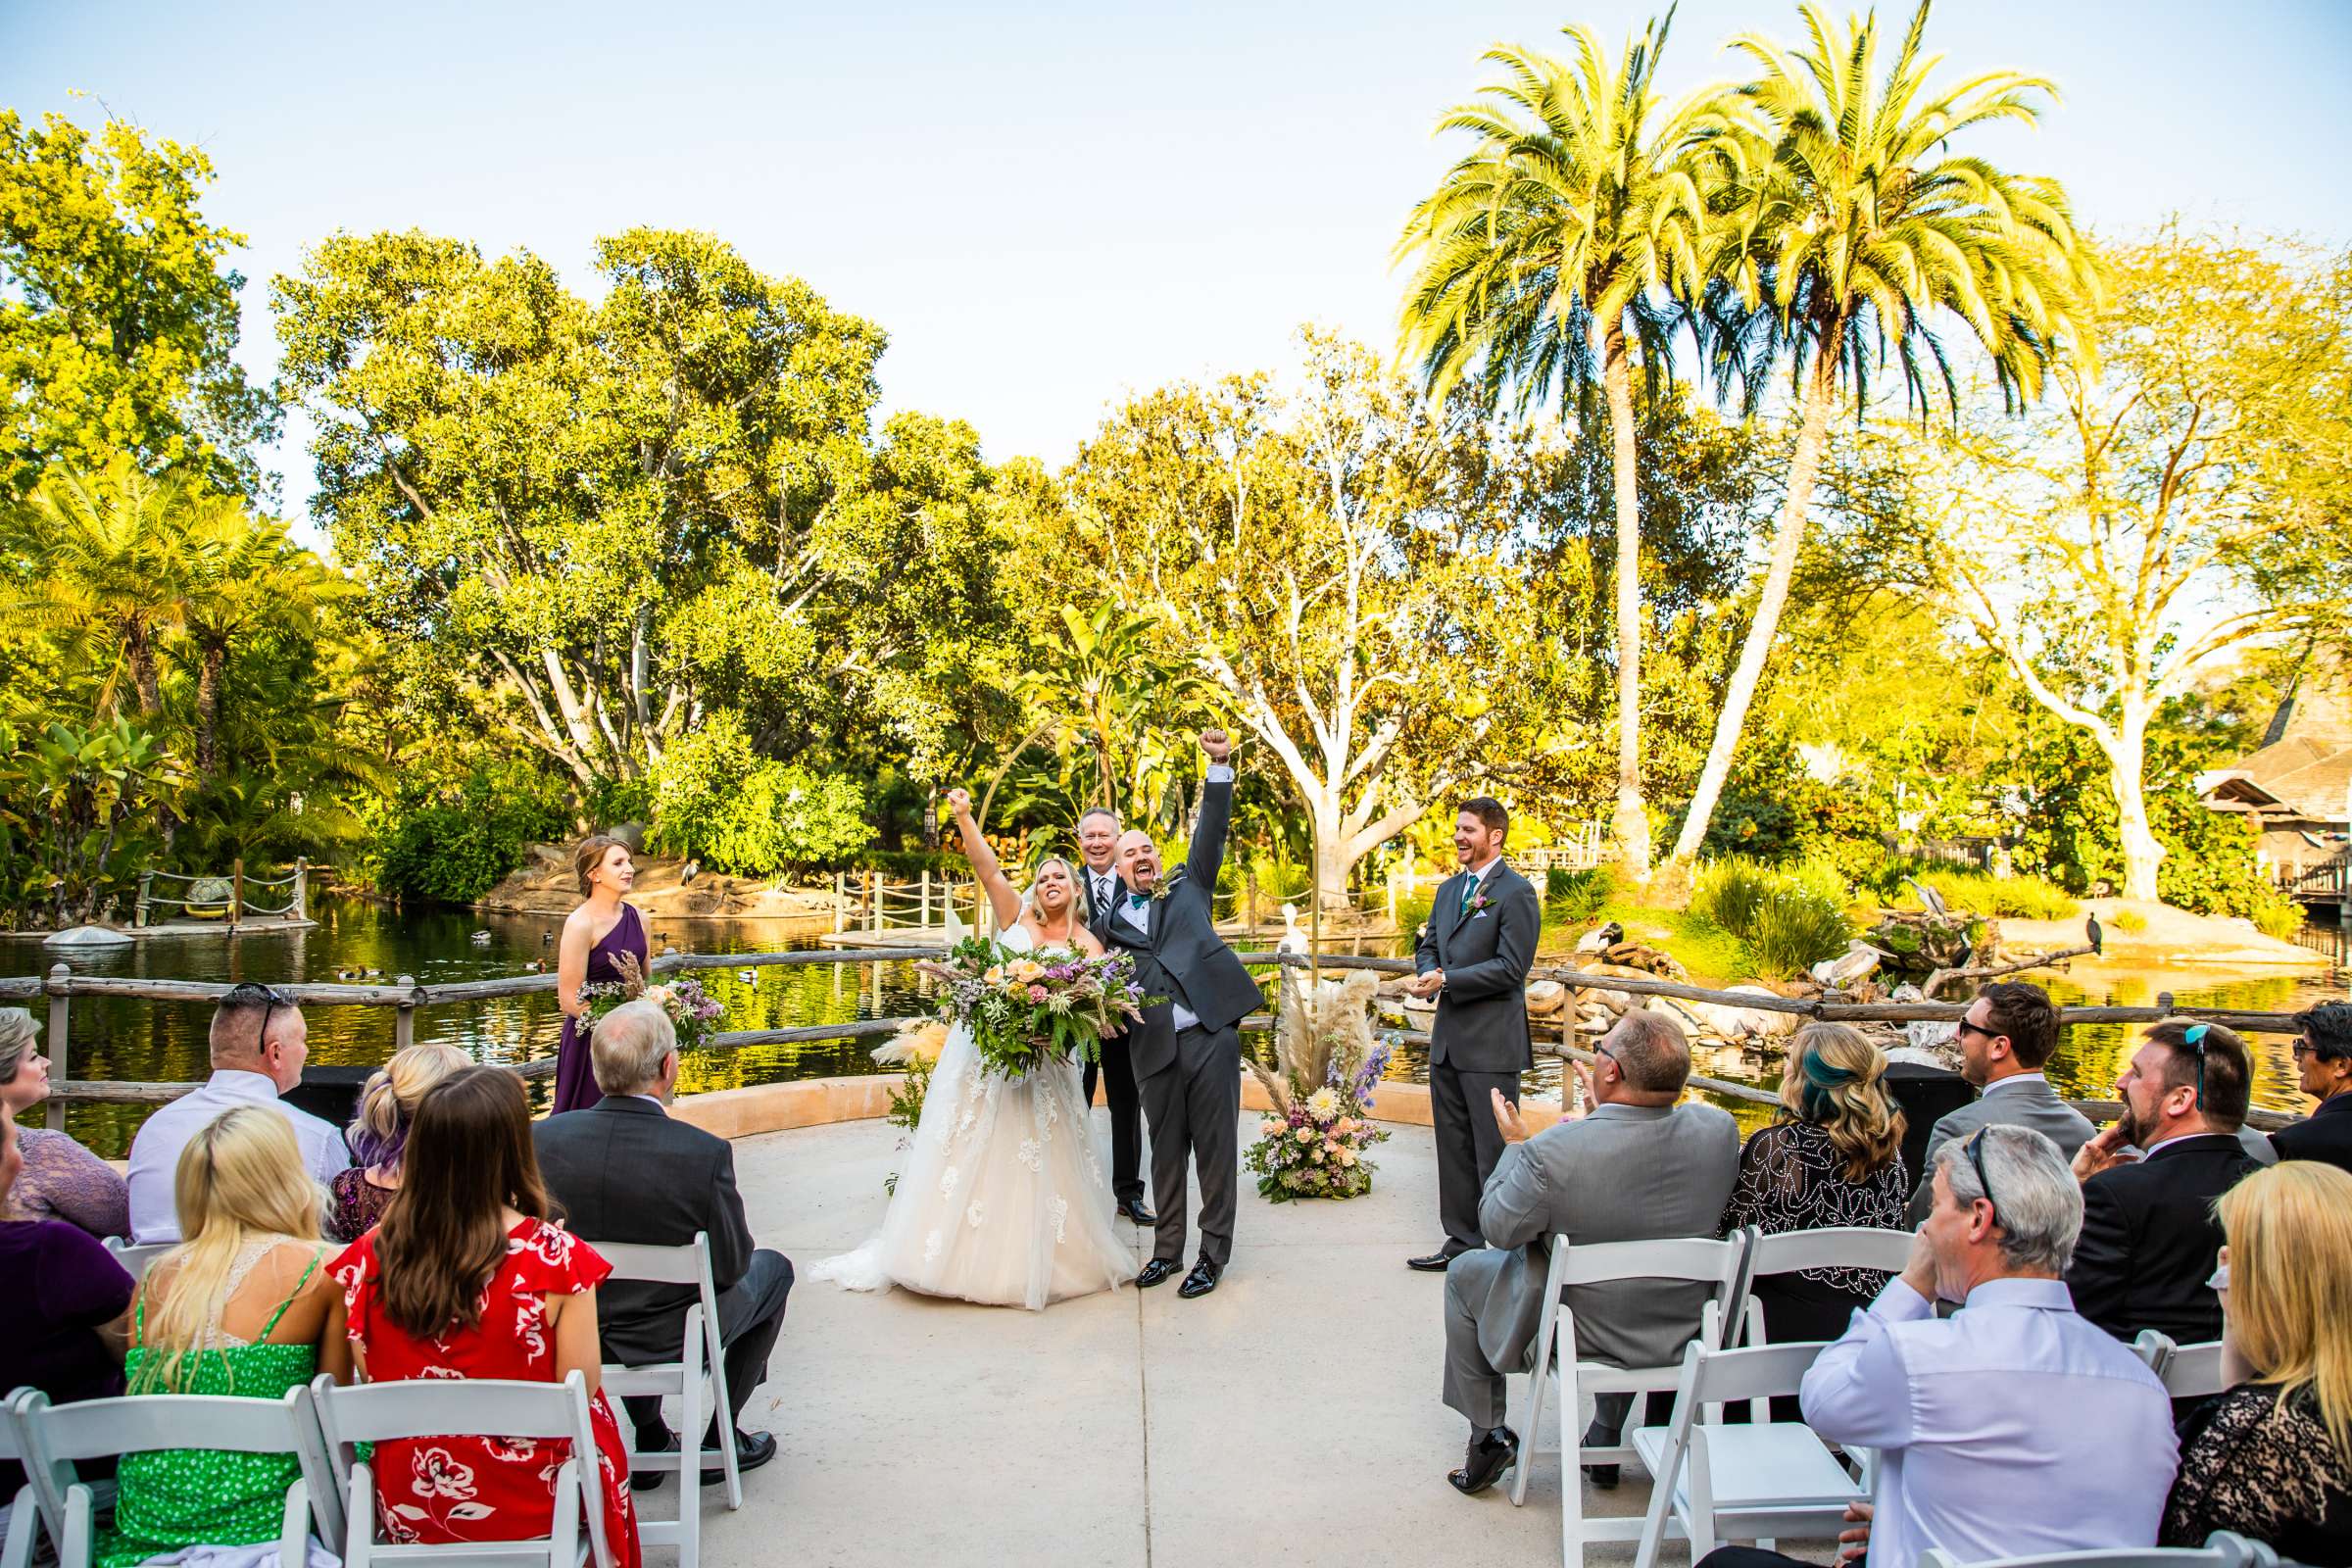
(2014, 1102)
(623, 1170)
(1479, 1042)
(1189, 1080)
(1620, 1173)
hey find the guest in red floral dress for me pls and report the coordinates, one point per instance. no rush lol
(465, 1277)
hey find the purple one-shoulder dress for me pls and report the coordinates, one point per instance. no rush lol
(576, 1080)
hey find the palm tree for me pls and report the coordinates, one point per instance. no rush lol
(1544, 257)
(1856, 226)
(247, 576)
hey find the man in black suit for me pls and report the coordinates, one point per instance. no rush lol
(2149, 1240)
(623, 1170)
(2324, 1058)
(1188, 1048)
(1473, 957)
(1098, 846)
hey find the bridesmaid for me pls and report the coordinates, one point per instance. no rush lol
(595, 936)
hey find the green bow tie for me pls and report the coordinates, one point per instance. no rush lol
(1136, 900)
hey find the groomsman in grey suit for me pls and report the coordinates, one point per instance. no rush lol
(2006, 1036)
(1473, 957)
(1635, 1167)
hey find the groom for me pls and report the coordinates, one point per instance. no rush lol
(1188, 1049)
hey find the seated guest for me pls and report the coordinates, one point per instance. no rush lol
(358, 1196)
(2324, 1060)
(595, 1162)
(60, 1316)
(2006, 1036)
(258, 1043)
(239, 1308)
(2271, 1458)
(1633, 1167)
(2149, 1237)
(60, 1179)
(465, 1276)
(1834, 1159)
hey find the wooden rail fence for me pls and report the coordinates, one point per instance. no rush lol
(60, 985)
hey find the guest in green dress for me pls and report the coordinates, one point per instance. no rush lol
(239, 1308)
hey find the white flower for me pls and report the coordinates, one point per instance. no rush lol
(972, 1215)
(947, 1181)
(433, 1473)
(931, 1244)
(1323, 1103)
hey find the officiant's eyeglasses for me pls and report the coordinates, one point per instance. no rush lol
(246, 993)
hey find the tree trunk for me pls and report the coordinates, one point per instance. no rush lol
(1332, 861)
(208, 673)
(1787, 541)
(1632, 824)
(2127, 760)
(145, 679)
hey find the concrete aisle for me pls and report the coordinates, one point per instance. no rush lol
(1291, 1417)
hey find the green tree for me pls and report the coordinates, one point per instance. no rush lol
(1851, 225)
(118, 321)
(1543, 256)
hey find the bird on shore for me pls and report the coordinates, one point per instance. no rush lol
(535, 965)
(347, 974)
(691, 870)
(2097, 935)
(1601, 938)
(1929, 899)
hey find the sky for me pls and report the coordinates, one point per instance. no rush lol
(1052, 205)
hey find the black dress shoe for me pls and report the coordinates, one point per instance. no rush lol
(752, 1450)
(1158, 1269)
(1201, 1280)
(1603, 1476)
(1134, 1209)
(1434, 1263)
(1484, 1464)
(652, 1480)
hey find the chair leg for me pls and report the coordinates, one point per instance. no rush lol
(1528, 1441)
(1572, 1504)
(359, 1517)
(294, 1529)
(690, 1472)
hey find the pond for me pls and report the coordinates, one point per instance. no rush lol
(164, 1042)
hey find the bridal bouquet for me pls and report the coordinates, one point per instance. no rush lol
(1021, 1006)
(693, 1011)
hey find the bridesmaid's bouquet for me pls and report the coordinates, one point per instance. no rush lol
(693, 1013)
(1021, 1006)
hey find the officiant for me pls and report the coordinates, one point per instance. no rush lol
(1473, 955)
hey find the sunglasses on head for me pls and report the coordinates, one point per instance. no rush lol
(249, 991)
(1975, 1158)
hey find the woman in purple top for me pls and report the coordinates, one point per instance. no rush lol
(358, 1198)
(61, 1315)
(60, 1179)
(596, 936)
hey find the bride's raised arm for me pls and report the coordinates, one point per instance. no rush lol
(1002, 897)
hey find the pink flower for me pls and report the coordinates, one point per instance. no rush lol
(1038, 995)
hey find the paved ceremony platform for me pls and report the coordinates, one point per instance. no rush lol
(1289, 1418)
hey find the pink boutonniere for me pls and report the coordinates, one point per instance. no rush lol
(1479, 904)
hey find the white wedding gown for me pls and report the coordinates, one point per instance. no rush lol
(1003, 1199)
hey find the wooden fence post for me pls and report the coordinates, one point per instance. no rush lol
(54, 1118)
(926, 921)
(236, 891)
(302, 888)
(840, 901)
(404, 1028)
(146, 883)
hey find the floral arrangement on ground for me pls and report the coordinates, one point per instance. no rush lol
(1314, 1142)
(1021, 1007)
(693, 1013)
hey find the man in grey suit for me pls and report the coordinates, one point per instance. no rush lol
(2006, 1036)
(1187, 1050)
(1473, 957)
(1635, 1167)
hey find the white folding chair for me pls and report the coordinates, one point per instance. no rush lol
(2222, 1550)
(2153, 1348)
(2192, 1371)
(24, 1509)
(427, 1408)
(699, 1379)
(137, 1260)
(1758, 1481)
(1672, 1258)
(61, 1436)
(1831, 1246)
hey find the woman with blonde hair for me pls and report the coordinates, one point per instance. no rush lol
(359, 1195)
(1834, 1157)
(2271, 1458)
(238, 1307)
(597, 936)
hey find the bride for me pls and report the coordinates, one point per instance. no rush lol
(1003, 1199)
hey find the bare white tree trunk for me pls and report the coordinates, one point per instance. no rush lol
(2126, 747)
(1631, 826)
(1787, 541)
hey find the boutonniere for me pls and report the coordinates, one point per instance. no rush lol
(1477, 903)
(1161, 890)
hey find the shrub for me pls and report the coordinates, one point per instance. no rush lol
(2128, 921)
(2016, 897)
(1730, 891)
(1577, 895)
(1796, 929)
(717, 800)
(457, 841)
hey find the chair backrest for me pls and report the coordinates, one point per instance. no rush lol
(2192, 1371)
(689, 1264)
(1719, 1377)
(2154, 1350)
(2222, 1550)
(137, 1260)
(1670, 1258)
(1861, 1246)
(425, 1408)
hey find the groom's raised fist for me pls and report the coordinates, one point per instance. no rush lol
(959, 802)
(1216, 744)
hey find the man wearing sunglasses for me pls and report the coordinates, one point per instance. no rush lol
(2324, 1065)
(258, 1044)
(2149, 1237)
(2007, 1034)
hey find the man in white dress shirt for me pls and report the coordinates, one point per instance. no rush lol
(258, 1044)
(1976, 1417)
